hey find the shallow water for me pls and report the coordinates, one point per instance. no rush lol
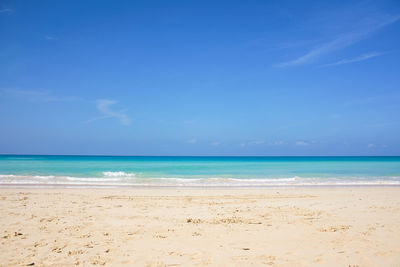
(198, 171)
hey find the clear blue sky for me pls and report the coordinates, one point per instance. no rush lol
(200, 77)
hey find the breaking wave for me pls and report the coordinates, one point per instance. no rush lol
(118, 174)
(130, 179)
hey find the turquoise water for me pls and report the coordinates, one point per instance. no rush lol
(198, 171)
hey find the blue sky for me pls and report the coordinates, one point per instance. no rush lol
(200, 77)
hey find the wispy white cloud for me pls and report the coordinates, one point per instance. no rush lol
(5, 10)
(260, 142)
(256, 142)
(50, 38)
(376, 146)
(302, 143)
(252, 142)
(278, 143)
(35, 95)
(104, 106)
(215, 143)
(192, 141)
(341, 41)
(355, 59)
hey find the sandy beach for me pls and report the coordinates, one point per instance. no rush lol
(301, 226)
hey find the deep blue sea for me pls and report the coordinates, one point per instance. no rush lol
(198, 171)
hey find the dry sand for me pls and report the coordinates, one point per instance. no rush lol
(320, 226)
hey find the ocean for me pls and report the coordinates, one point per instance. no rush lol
(197, 171)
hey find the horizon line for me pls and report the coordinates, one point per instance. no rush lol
(105, 155)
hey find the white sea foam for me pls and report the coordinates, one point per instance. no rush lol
(129, 179)
(44, 177)
(92, 179)
(118, 174)
(6, 176)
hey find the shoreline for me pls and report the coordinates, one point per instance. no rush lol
(190, 187)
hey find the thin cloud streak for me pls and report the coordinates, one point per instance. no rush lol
(341, 42)
(302, 143)
(278, 143)
(50, 38)
(253, 142)
(354, 60)
(5, 10)
(104, 107)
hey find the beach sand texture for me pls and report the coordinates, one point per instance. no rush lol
(303, 226)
